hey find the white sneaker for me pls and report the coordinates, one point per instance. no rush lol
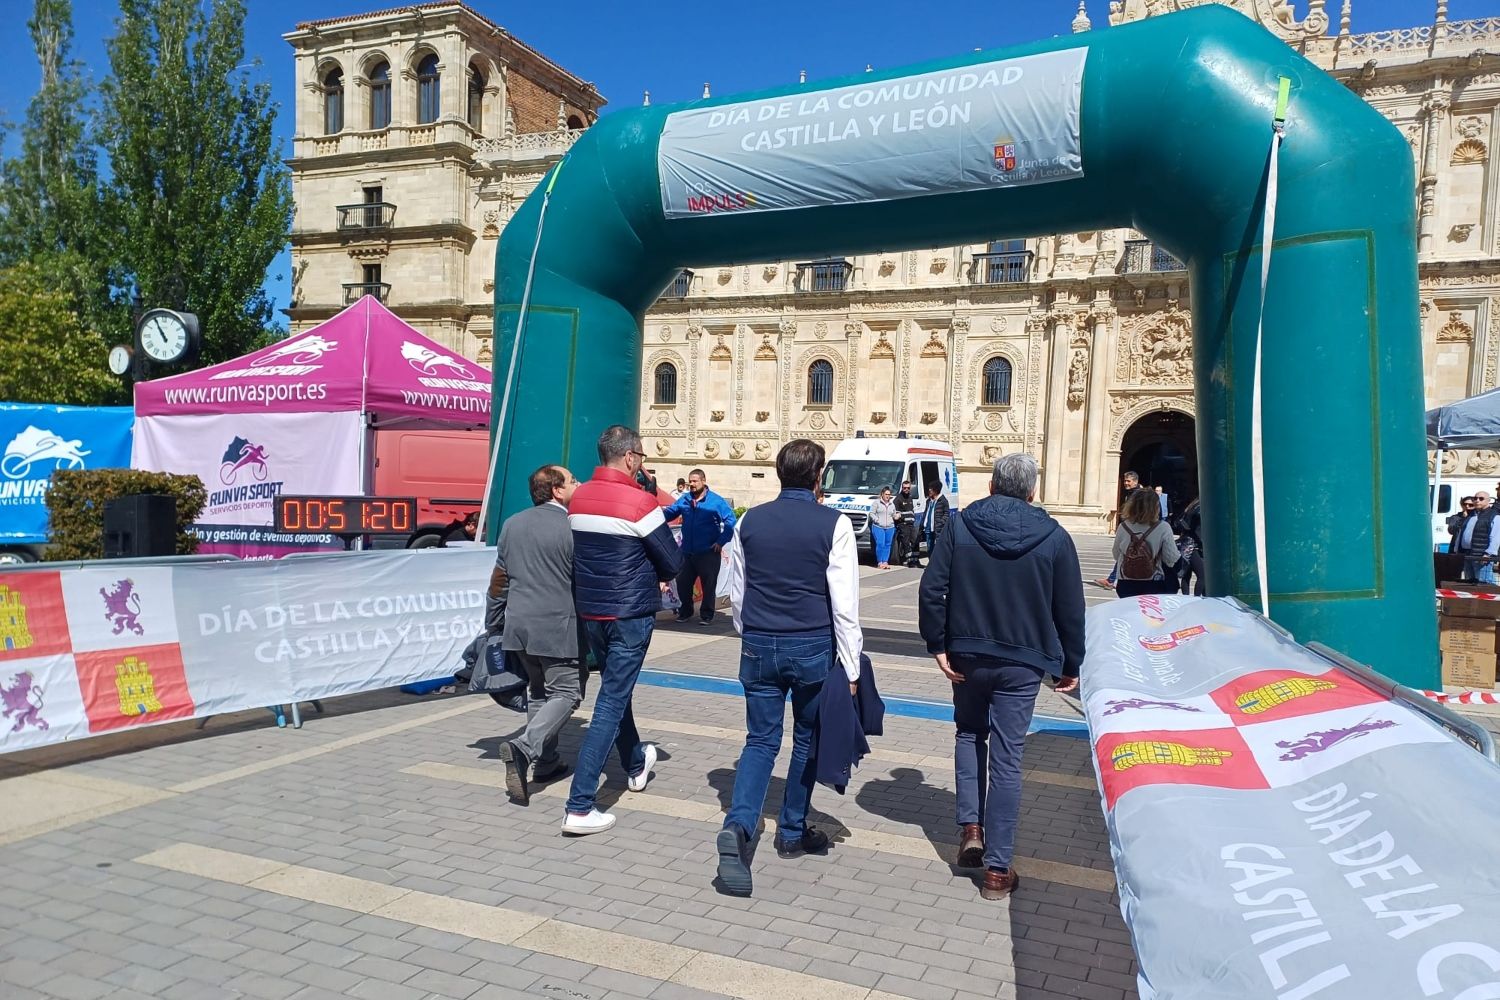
(581, 826)
(640, 781)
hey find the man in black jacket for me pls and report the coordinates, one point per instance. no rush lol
(1001, 604)
(907, 546)
(935, 516)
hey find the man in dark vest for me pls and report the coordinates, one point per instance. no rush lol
(1478, 538)
(793, 585)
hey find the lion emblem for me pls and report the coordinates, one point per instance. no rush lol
(23, 699)
(122, 607)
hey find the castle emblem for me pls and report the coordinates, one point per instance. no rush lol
(136, 687)
(14, 632)
(1268, 696)
(1138, 752)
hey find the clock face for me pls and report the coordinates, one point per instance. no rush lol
(119, 359)
(164, 337)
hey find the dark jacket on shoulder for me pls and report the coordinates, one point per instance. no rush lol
(1004, 582)
(843, 723)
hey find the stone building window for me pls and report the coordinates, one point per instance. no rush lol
(820, 383)
(333, 102)
(476, 99)
(380, 96)
(666, 384)
(428, 95)
(997, 377)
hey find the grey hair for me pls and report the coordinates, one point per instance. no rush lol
(1015, 476)
(617, 442)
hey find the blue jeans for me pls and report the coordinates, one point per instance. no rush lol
(882, 537)
(992, 711)
(619, 647)
(772, 667)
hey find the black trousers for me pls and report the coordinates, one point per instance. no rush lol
(907, 548)
(699, 566)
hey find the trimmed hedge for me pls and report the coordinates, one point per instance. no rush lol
(76, 499)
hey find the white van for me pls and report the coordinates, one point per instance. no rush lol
(1454, 489)
(860, 468)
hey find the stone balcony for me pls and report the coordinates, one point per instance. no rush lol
(515, 148)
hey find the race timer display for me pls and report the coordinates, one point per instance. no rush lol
(323, 515)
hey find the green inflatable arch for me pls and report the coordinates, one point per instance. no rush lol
(1162, 125)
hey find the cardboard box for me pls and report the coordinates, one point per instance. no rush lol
(1469, 670)
(1468, 607)
(1467, 635)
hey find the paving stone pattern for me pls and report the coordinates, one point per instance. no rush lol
(88, 909)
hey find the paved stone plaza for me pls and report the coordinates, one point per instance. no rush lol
(373, 854)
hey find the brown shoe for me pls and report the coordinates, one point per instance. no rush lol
(971, 846)
(998, 884)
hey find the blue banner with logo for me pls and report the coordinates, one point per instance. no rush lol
(39, 439)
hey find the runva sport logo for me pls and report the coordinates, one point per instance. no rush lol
(30, 460)
(295, 357)
(427, 361)
(242, 460)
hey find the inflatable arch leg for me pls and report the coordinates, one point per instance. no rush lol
(1164, 126)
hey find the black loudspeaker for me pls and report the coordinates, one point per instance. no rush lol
(143, 524)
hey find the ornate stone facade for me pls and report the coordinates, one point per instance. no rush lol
(1088, 332)
(1095, 326)
(455, 159)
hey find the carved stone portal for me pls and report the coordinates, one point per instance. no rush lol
(1158, 350)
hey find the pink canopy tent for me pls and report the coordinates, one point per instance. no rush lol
(364, 359)
(297, 418)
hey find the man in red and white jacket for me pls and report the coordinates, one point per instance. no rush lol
(623, 556)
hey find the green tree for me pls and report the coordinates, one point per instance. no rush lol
(47, 354)
(199, 202)
(49, 193)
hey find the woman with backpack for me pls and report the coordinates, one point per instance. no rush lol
(1144, 547)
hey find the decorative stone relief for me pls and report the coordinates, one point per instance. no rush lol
(662, 447)
(1450, 463)
(726, 275)
(716, 416)
(1456, 331)
(998, 324)
(878, 417)
(662, 419)
(1460, 233)
(1492, 347)
(992, 421)
(1157, 348)
(887, 267)
(721, 351)
(1471, 127)
(761, 416)
(491, 229)
(818, 420)
(765, 352)
(488, 285)
(820, 330)
(1153, 404)
(664, 334)
(787, 326)
(1078, 375)
(934, 347)
(741, 334)
(939, 265)
(736, 449)
(769, 272)
(711, 448)
(1484, 463)
(882, 348)
(1469, 151)
(762, 451)
(929, 418)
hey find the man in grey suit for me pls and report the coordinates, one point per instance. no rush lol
(533, 584)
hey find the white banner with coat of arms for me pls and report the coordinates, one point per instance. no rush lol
(1278, 828)
(91, 650)
(245, 461)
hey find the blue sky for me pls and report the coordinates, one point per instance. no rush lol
(668, 48)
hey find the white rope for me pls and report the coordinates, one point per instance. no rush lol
(515, 355)
(1257, 449)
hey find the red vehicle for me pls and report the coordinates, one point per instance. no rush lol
(443, 469)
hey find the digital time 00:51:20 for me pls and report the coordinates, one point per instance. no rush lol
(325, 515)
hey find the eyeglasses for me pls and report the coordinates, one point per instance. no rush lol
(642, 454)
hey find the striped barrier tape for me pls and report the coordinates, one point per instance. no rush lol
(1465, 698)
(1441, 592)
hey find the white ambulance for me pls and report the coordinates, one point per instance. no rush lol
(858, 469)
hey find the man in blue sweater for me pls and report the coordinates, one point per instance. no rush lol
(1001, 604)
(794, 590)
(707, 526)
